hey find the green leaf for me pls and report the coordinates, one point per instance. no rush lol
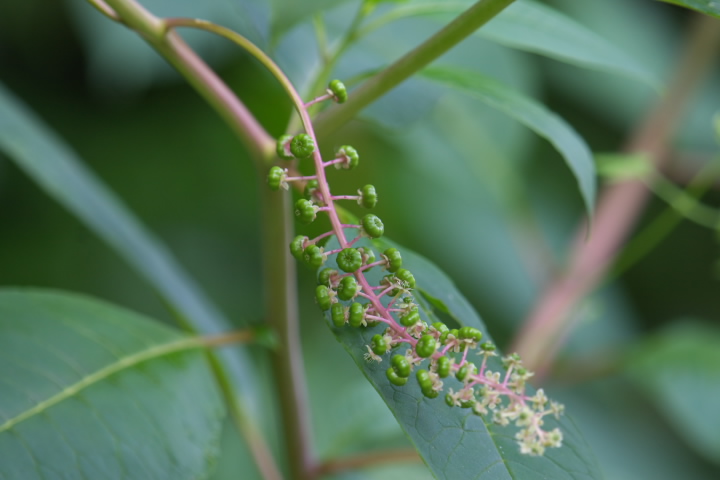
(453, 442)
(89, 390)
(679, 370)
(537, 28)
(55, 167)
(708, 7)
(530, 113)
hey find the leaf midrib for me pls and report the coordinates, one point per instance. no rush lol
(121, 364)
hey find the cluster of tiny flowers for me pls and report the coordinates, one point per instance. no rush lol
(351, 300)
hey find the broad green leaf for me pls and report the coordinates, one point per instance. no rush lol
(537, 28)
(56, 168)
(679, 370)
(708, 7)
(530, 113)
(90, 390)
(453, 442)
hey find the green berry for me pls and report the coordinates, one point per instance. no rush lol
(470, 333)
(449, 400)
(406, 277)
(487, 347)
(313, 256)
(373, 226)
(378, 344)
(368, 256)
(444, 337)
(425, 347)
(336, 88)
(282, 148)
(443, 367)
(275, 177)
(349, 260)
(368, 196)
(347, 288)
(423, 378)
(467, 403)
(429, 392)
(312, 188)
(410, 318)
(400, 365)
(302, 145)
(297, 247)
(350, 155)
(305, 211)
(322, 296)
(440, 327)
(394, 378)
(394, 259)
(325, 276)
(357, 314)
(337, 314)
(464, 371)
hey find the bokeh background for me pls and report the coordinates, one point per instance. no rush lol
(475, 192)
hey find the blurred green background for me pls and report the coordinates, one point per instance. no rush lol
(473, 191)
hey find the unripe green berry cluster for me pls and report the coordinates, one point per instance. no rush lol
(435, 353)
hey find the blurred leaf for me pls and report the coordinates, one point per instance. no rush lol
(112, 47)
(631, 441)
(286, 14)
(708, 7)
(623, 166)
(56, 169)
(537, 28)
(679, 370)
(90, 390)
(454, 442)
(532, 114)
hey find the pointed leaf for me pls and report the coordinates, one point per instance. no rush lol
(453, 442)
(530, 113)
(89, 390)
(708, 7)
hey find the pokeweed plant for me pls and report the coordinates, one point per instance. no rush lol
(90, 390)
(350, 299)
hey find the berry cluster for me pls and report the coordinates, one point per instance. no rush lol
(351, 300)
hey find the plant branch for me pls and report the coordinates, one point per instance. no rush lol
(365, 460)
(105, 10)
(644, 241)
(229, 338)
(255, 441)
(171, 46)
(449, 36)
(280, 284)
(282, 310)
(620, 205)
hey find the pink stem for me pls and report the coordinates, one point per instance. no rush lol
(320, 237)
(318, 100)
(333, 162)
(293, 179)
